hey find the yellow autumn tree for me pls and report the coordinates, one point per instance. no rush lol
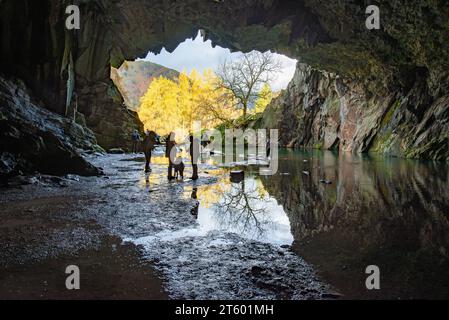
(264, 99)
(158, 110)
(174, 105)
(217, 104)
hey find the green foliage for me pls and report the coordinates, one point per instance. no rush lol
(243, 121)
(318, 146)
(387, 119)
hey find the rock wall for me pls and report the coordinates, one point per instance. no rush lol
(37, 48)
(407, 59)
(107, 115)
(324, 111)
(33, 138)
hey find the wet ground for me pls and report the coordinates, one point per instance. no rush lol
(127, 230)
(309, 232)
(46, 227)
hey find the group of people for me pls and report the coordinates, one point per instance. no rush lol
(149, 143)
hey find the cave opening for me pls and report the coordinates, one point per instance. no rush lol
(169, 89)
(78, 189)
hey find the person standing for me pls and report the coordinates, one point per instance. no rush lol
(135, 137)
(148, 146)
(194, 155)
(169, 145)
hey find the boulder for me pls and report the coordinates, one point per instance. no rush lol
(116, 151)
(35, 139)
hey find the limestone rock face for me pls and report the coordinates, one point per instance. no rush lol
(107, 115)
(133, 78)
(321, 110)
(35, 139)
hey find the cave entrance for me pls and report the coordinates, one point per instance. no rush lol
(170, 90)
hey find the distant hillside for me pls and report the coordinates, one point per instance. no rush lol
(134, 77)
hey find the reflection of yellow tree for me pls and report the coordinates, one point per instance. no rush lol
(260, 189)
(173, 104)
(212, 194)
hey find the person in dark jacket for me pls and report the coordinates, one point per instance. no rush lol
(148, 146)
(135, 137)
(194, 155)
(169, 145)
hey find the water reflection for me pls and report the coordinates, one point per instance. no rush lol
(389, 212)
(383, 211)
(244, 208)
(195, 210)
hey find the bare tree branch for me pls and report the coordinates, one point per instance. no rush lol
(245, 77)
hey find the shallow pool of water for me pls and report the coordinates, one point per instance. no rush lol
(214, 238)
(388, 212)
(244, 208)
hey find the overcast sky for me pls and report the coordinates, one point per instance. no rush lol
(197, 54)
